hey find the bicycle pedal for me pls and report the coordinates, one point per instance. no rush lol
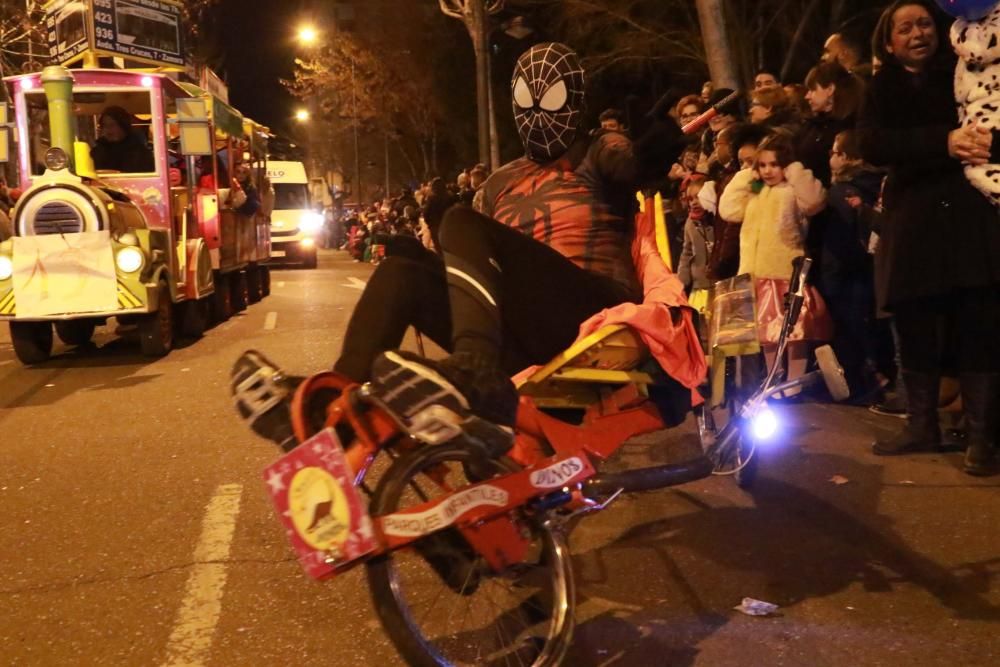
(435, 424)
(261, 393)
(257, 385)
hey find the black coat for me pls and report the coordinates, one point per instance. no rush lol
(845, 258)
(940, 233)
(815, 141)
(130, 156)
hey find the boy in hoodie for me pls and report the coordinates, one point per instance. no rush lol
(848, 273)
(699, 239)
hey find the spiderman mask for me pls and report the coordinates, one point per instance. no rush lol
(547, 91)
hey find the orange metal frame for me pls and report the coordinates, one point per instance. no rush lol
(542, 441)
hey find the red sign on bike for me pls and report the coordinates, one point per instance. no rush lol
(324, 517)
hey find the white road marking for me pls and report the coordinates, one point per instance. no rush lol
(271, 320)
(191, 640)
(355, 283)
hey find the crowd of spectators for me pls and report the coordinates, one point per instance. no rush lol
(395, 222)
(860, 167)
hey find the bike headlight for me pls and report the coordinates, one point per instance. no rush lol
(764, 424)
(6, 267)
(311, 222)
(129, 260)
(56, 158)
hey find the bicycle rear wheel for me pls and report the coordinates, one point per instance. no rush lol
(438, 600)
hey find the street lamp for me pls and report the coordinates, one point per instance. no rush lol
(307, 35)
(302, 115)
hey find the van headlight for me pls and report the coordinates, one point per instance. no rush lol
(6, 267)
(129, 260)
(311, 222)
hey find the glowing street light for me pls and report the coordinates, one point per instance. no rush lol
(302, 115)
(308, 35)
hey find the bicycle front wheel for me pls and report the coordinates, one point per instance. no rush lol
(438, 600)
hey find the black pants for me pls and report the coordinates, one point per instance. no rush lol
(852, 308)
(965, 324)
(496, 289)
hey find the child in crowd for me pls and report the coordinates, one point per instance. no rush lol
(699, 240)
(774, 201)
(848, 270)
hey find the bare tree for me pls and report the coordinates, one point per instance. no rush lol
(22, 40)
(475, 15)
(722, 67)
(397, 99)
(691, 37)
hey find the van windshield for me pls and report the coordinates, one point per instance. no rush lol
(291, 196)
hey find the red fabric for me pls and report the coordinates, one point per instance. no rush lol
(815, 323)
(674, 345)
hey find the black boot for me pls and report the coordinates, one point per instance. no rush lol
(921, 433)
(980, 401)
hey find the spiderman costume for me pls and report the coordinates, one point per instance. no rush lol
(513, 282)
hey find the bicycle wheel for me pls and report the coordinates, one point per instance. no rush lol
(441, 604)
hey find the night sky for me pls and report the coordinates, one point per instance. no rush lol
(256, 43)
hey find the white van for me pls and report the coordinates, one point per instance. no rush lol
(295, 225)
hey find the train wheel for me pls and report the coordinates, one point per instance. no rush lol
(32, 341)
(156, 330)
(265, 280)
(222, 303)
(75, 332)
(238, 289)
(255, 290)
(194, 315)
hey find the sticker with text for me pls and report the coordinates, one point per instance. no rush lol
(558, 474)
(413, 524)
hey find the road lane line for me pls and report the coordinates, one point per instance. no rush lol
(271, 320)
(191, 640)
(355, 283)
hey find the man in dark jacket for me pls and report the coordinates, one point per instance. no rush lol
(120, 148)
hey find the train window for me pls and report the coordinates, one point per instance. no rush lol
(114, 123)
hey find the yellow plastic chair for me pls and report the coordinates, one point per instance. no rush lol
(606, 359)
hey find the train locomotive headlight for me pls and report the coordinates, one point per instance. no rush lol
(56, 159)
(6, 267)
(311, 222)
(129, 260)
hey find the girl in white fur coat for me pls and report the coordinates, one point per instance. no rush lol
(774, 201)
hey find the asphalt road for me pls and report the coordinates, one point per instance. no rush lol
(125, 484)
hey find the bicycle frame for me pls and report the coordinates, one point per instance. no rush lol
(556, 458)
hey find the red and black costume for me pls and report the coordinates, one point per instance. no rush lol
(549, 250)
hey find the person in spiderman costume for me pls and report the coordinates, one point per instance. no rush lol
(514, 281)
